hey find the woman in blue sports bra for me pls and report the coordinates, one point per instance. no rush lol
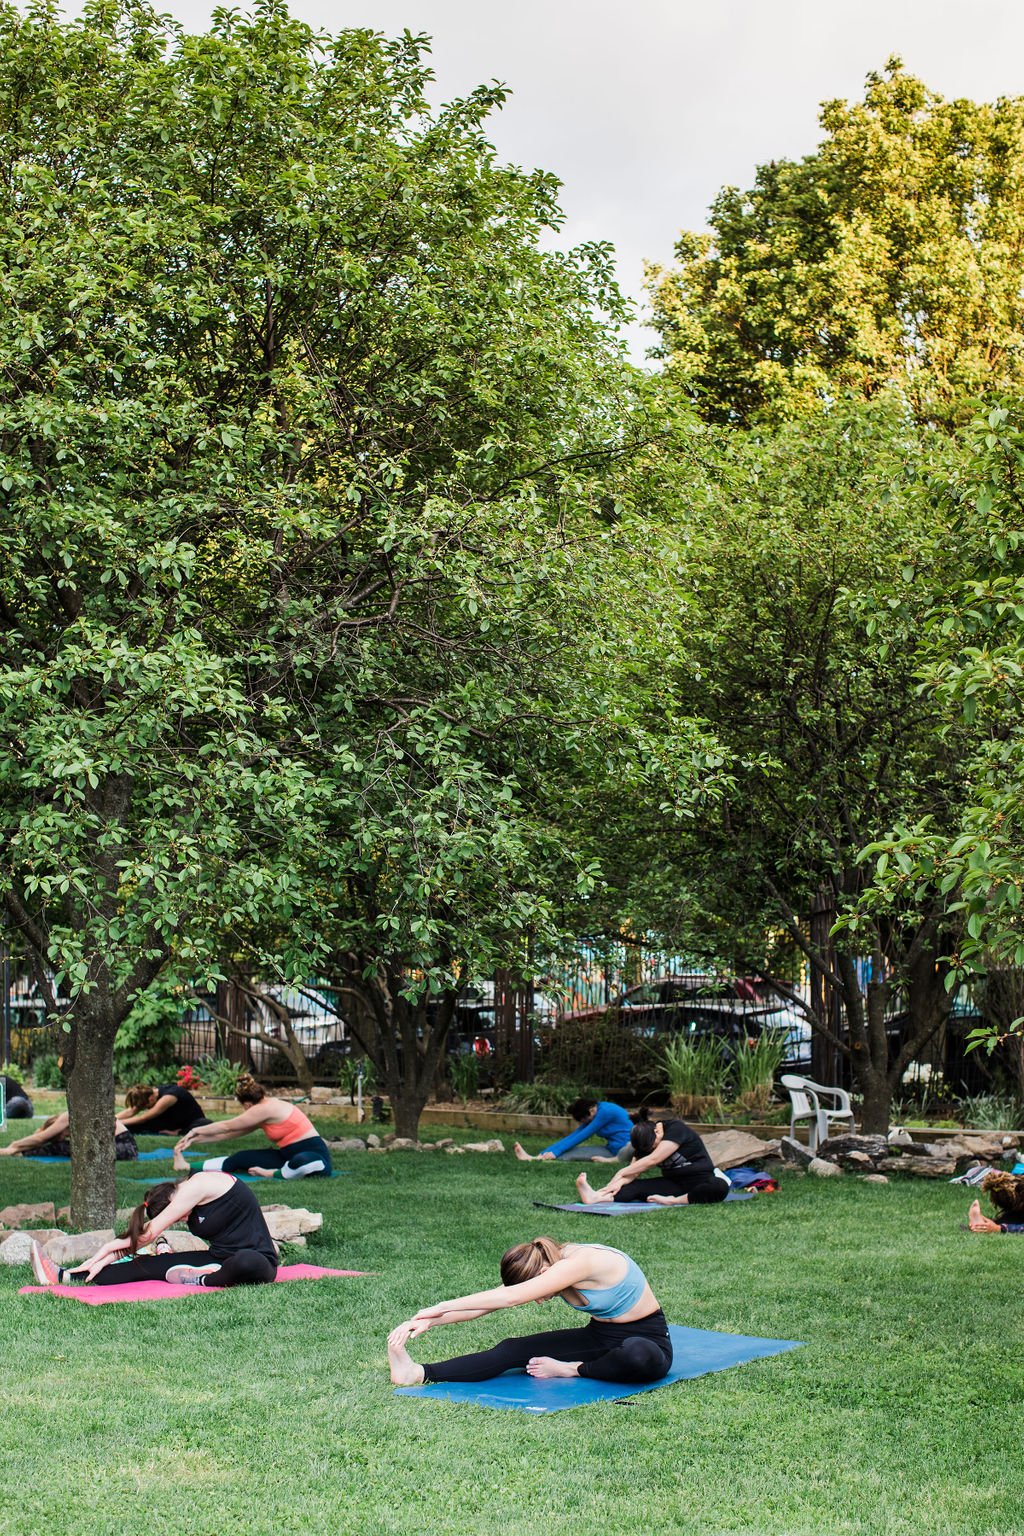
(626, 1339)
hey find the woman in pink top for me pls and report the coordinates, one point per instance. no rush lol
(298, 1152)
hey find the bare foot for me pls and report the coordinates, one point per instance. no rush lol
(668, 1199)
(181, 1163)
(263, 1173)
(404, 1370)
(523, 1156)
(979, 1223)
(584, 1190)
(542, 1367)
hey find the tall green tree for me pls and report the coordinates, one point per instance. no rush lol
(789, 545)
(889, 256)
(303, 438)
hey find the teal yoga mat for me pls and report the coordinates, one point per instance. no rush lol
(696, 1352)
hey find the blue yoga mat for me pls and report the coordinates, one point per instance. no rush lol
(633, 1207)
(160, 1155)
(696, 1352)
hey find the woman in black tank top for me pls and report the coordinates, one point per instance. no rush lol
(216, 1207)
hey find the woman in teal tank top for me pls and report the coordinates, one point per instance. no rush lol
(626, 1339)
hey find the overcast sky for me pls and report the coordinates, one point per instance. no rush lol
(644, 108)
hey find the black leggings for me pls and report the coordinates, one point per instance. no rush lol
(702, 1188)
(246, 1267)
(307, 1159)
(631, 1352)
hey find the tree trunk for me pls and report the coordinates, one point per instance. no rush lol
(89, 1072)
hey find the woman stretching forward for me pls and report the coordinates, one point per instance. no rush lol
(627, 1338)
(299, 1152)
(689, 1177)
(214, 1206)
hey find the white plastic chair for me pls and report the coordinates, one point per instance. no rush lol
(805, 1104)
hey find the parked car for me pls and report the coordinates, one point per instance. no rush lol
(733, 1009)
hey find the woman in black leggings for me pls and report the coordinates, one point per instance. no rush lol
(689, 1177)
(627, 1338)
(215, 1206)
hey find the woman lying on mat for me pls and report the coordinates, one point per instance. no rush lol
(601, 1118)
(214, 1206)
(689, 1177)
(627, 1338)
(52, 1140)
(1006, 1192)
(299, 1152)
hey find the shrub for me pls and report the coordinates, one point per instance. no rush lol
(754, 1067)
(602, 1050)
(219, 1075)
(13, 1071)
(990, 1112)
(695, 1073)
(348, 1076)
(45, 1071)
(544, 1098)
(464, 1073)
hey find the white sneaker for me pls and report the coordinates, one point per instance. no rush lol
(188, 1274)
(43, 1267)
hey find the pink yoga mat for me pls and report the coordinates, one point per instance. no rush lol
(159, 1290)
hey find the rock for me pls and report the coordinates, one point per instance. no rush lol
(373, 1140)
(839, 1148)
(426, 1146)
(989, 1148)
(445, 1143)
(400, 1144)
(824, 1170)
(857, 1160)
(923, 1167)
(795, 1152)
(20, 1215)
(387, 1138)
(320, 1095)
(16, 1248)
(455, 1151)
(75, 1247)
(45, 1235)
(64, 1214)
(734, 1149)
(873, 1178)
(184, 1242)
(287, 1222)
(494, 1145)
(1010, 1142)
(348, 1144)
(898, 1137)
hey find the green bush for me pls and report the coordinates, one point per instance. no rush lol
(220, 1075)
(754, 1068)
(464, 1074)
(45, 1071)
(13, 1071)
(990, 1112)
(603, 1051)
(348, 1076)
(544, 1098)
(695, 1072)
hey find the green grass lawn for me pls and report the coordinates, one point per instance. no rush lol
(269, 1410)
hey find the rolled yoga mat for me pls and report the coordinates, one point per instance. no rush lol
(696, 1352)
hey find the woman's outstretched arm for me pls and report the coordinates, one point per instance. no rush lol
(561, 1276)
(223, 1130)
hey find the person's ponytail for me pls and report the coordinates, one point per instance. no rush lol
(154, 1201)
(527, 1260)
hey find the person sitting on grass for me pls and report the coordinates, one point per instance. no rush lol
(689, 1177)
(595, 1118)
(627, 1338)
(1006, 1191)
(164, 1111)
(52, 1140)
(299, 1151)
(215, 1207)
